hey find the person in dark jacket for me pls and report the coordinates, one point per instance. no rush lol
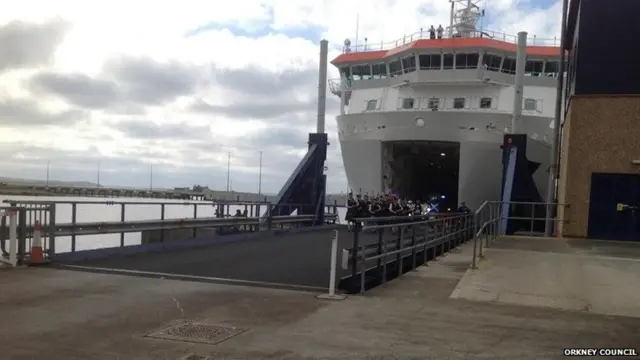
(352, 210)
(463, 208)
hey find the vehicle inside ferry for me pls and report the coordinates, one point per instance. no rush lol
(423, 170)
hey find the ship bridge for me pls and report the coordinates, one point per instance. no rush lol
(448, 91)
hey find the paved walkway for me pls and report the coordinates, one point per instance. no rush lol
(593, 276)
(71, 315)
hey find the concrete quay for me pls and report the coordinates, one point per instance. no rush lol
(73, 315)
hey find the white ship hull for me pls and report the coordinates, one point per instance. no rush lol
(480, 135)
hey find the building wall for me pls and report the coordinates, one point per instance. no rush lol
(601, 134)
(604, 31)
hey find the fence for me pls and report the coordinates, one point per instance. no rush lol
(385, 248)
(221, 218)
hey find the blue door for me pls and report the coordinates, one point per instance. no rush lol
(614, 210)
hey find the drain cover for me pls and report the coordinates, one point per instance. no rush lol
(195, 357)
(196, 332)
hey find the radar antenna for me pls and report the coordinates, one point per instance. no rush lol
(347, 46)
(464, 18)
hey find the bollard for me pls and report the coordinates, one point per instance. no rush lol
(332, 274)
(37, 254)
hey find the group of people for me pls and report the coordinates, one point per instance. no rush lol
(433, 32)
(388, 205)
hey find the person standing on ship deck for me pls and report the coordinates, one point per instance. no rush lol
(440, 31)
(432, 32)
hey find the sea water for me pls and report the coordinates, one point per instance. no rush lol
(151, 210)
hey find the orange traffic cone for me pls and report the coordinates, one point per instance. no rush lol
(37, 255)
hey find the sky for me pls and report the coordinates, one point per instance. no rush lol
(181, 89)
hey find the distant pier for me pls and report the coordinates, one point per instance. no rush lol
(113, 192)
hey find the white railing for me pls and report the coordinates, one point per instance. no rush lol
(11, 258)
(424, 34)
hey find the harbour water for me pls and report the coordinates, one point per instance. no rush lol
(151, 210)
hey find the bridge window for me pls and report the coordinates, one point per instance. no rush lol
(447, 61)
(345, 72)
(530, 104)
(394, 68)
(492, 62)
(433, 103)
(372, 105)
(467, 61)
(379, 71)
(551, 68)
(409, 64)
(458, 103)
(533, 68)
(430, 62)
(485, 103)
(408, 103)
(361, 72)
(509, 66)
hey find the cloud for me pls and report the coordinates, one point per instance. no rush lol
(26, 45)
(26, 112)
(77, 89)
(88, 83)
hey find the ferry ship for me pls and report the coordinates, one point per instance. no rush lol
(425, 117)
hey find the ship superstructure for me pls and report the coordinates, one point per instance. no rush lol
(423, 115)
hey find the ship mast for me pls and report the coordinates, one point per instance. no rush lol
(464, 18)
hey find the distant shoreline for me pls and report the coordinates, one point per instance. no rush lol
(212, 196)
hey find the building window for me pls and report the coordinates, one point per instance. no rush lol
(485, 103)
(409, 64)
(467, 61)
(430, 62)
(407, 103)
(379, 71)
(447, 61)
(458, 103)
(530, 104)
(492, 62)
(372, 105)
(533, 68)
(551, 68)
(509, 66)
(394, 68)
(361, 72)
(433, 103)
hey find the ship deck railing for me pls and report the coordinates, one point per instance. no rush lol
(423, 34)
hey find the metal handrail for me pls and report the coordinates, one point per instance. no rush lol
(423, 221)
(424, 34)
(112, 202)
(115, 227)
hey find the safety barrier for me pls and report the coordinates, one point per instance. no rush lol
(9, 230)
(37, 228)
(385, 248)
(492, 219)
